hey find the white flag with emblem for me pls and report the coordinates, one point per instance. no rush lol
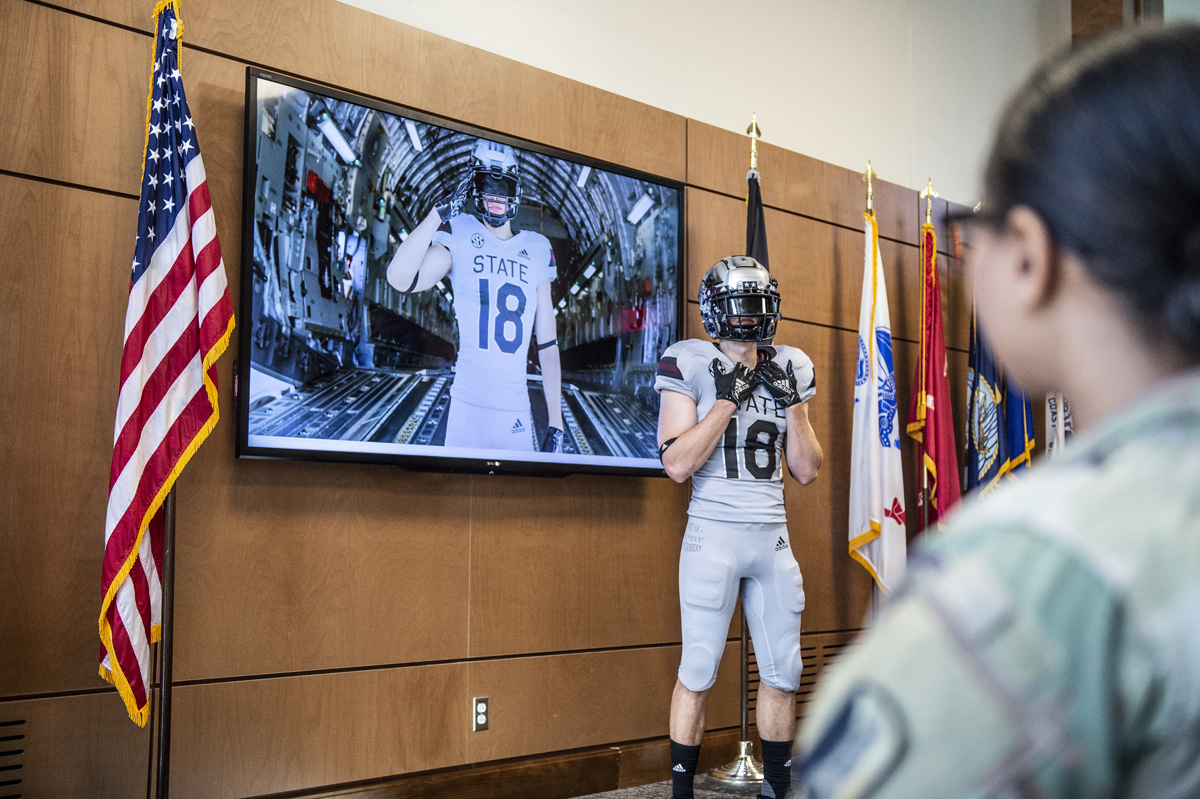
(877, 534)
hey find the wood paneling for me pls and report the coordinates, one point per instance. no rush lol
(820, 267)
(62, 301)
(388, 60)
(956, 305)
(75, 95)
(1093, 17)
(558, 776)
(597, 568)
(548, 703)
(298, 566)
(553, 777)
(252, 737)
(304, 588)
(74, 747)
(718, 160)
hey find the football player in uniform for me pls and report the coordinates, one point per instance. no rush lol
(732, 410)
(501, 283)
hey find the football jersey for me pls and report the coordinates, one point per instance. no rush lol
(495, 283)
(742, 481)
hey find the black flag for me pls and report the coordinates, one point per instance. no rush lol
(756, 223)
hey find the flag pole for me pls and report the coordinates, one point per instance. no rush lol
(165, 647)
(927, 194)
(744, 769)
(869, 178)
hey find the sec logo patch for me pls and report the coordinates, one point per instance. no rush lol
(477, 241)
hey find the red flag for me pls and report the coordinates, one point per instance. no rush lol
(177, 324)
(930, 421)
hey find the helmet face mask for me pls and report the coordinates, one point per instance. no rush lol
(739, 300)
(495, 177)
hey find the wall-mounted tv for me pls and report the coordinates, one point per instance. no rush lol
(421, 293)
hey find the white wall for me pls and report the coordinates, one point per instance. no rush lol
(1181, 10)
(914, 85)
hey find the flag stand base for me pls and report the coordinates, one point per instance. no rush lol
(743, 770)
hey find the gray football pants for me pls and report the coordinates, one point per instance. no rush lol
(719, 562)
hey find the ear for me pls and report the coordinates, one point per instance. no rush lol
(1036, 266)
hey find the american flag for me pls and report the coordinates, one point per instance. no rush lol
(177, 324)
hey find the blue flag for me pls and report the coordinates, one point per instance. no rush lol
(999, 421)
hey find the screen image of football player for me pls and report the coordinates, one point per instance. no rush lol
(732, 410)
(501, 284)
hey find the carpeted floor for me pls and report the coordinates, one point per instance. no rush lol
(705, 789)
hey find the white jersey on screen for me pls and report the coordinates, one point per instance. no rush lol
(495, 283)
(742, 481)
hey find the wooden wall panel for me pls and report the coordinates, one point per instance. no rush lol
(956, 304)
(819, 266)
(598, 568)
(251, 737)
(1093, 17)
(548, 703)
(718, 160)
(286, 569)
(75, 92)
(397, 63)
(74, 747)
(60, 312)
(298, 566)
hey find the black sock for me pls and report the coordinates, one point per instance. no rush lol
(777, 762)
(683, 769)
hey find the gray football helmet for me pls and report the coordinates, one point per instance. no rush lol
(494, 172)
(739, 288)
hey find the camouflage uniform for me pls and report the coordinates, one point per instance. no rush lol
(1048, 644)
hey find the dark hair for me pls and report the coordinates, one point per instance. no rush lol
(1103, 143)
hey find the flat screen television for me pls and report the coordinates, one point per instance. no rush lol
(375, 328)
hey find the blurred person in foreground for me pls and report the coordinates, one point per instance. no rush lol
(1048, 643)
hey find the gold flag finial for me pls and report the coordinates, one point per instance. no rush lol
(927, 194)
(869, 176)
(754, 133)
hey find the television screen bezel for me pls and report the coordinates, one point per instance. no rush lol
(412, 462)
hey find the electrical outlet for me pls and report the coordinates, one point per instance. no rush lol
(479, 714)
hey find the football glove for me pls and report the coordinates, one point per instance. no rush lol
(736, 385)
(781, 384)
(552, 441)
(452, 203)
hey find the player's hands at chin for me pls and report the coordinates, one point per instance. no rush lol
(781, 384)
(734, 385)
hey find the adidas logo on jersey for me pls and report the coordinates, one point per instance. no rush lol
(788, 764)
(523, 254)
(781, 544)
(679, 767)
(518, 427)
